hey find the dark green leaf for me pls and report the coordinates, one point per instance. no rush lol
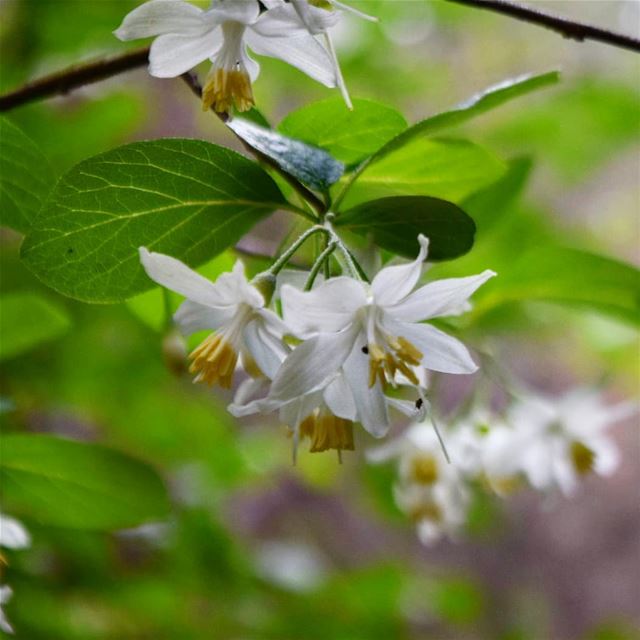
(350, 136)
(568, 276)
(25, 178)
(448, 169)
(312, 166)
(71, 484)
(394, 224)
(186, 198)
(27, 320)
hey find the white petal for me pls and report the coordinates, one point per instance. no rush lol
(440, 352)
(296, 18)
(242, 11)
(265, 349)
(370, 401)
(174, 54)
(327, 308)
(355, 12)
(232, 288)
(193, 316)
(440, 298)
(312, 365)
(175, 275)
(392, 284)
(338, 397)
(302, 52)
(13, 535)
(161, 17)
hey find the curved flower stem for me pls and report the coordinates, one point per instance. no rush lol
(317, 265)
(280, 263)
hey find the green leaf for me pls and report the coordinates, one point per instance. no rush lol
(27, 320)
(447, 169)
(350, 136)
(186, 198)
(25, 178)
(394, 224)
(567, 276)
(71, 484)
(312, 166)
(477, 105)
(488, 99)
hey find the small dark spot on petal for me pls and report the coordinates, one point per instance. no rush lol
(365, 350)
(419, 403)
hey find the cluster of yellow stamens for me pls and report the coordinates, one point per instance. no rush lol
(424, 470)
(582, 458)
(226, 88)
(326, 431)
(383, 364)
(214, 361)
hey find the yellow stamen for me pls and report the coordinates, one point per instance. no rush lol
(214, 361)
(582, 458)
(427, 511)
(424, 470)
(383, 365)
(326, 431)
(227, 88)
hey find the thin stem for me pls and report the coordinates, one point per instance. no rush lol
(568, 28)
(280, 263)
(317, 265)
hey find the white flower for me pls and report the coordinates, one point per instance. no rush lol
(556, 441)
(13, 535)
(188, 35)
(231, 306)
(317, 19)
(430, 490)
(5, 596)
(372, 333)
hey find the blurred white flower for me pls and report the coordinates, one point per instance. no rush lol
(13, 535)
(188, 35)
(556, 441)
(372, 333)
(431, 491)
(231, 306)
(5, 595)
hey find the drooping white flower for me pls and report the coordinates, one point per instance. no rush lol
(188, 35)
(430, 490)
(233, 308)
(372, 333)
(556, 441)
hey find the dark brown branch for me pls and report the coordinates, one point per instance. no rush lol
(77, 76)
(193, 83)
(567, 28)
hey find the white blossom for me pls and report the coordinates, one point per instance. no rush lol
(372, 333)
(554, 442)
(5, 595)
(233, 308)
(188, 35)
(13, 535)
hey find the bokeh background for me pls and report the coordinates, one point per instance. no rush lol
(256, 548)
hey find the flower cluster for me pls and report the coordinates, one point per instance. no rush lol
(546, 443)
(188, 35)
(331, 358)
(12, 536)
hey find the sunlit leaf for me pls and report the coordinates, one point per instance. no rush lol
(312, 166)
(186, 198)
(27, 320)
(25, 178)
(71, 484)
(447, 169)
(394, 224)
(348, 135)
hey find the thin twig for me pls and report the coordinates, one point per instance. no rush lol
(65, 81)
(568, 28)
